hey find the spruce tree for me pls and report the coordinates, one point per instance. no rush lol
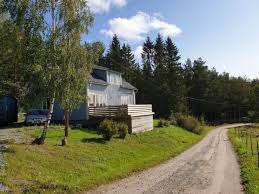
(159, 59)
(148, 58)
(113, 56)
(160, 94)
(128, 62)
(146, 76)
(175, 78)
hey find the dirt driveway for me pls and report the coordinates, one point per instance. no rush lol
(208, 167)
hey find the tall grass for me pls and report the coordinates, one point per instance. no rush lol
(244, 140)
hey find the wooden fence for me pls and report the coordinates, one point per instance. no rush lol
(248, 138)
(120, 111)
(137, 117)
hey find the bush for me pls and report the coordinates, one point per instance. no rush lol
(202, 121)
(163, 123)
(123, 130)
(172, 120)
(108, 128)
(189, 123)
(7, 141)
(179, 118)
(193, 125)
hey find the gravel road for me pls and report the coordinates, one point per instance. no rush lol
(208, 167)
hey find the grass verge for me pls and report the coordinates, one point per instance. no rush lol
(248, 162)
(88, 160)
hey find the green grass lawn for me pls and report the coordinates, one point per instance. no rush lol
(88, 161)
(248, 163)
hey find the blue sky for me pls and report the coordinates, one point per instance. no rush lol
(225, 33)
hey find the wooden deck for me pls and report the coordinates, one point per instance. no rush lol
(138, 117)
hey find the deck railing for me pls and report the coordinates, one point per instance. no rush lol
(123, 110)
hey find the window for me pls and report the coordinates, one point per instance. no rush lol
(97, 100)
(114, 78)
(125, 100)
(92, 100)
(44, 105)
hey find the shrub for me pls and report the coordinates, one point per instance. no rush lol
(202, 121)
(189, 123)
(123, 130)
(7, 141)
(163, 123)
(108, 128)
(193, 125)
(172, 120)
(179, 118)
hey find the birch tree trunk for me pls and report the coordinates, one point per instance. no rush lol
(42, 138)
(64, 141)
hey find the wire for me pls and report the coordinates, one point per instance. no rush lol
(187, 97)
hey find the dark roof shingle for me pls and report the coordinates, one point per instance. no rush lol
(95, 79)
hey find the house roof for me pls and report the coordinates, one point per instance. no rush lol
(100, 67)
(95, 79)
(127, 85)
(105, 68)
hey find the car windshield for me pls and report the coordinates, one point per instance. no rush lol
(38, 112)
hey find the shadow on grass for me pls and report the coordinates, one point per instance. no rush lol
(86, 130)
(7, 149)
(93, 140)
(11, 126)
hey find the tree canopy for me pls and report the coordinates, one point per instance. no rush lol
(189, 88)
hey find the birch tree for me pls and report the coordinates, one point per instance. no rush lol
(68, 63)
(21, 24)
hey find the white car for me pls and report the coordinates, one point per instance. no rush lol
(36, 117)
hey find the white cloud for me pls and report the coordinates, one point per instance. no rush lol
(138, 52)
(100, 6)
(136, 27)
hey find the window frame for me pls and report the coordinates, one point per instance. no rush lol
(97, 99)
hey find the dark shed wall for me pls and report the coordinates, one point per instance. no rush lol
(8, 110)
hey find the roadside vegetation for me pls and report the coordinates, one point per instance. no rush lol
(187, 122)
(244, 140)
(89, 160)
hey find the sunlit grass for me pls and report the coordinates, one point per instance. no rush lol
(248, 162)
(88, 161)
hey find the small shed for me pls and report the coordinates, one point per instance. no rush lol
(8, 110)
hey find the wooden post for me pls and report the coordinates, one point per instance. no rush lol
(257, 147)
(251, 142)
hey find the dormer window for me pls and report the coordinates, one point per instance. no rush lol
(114, 78)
